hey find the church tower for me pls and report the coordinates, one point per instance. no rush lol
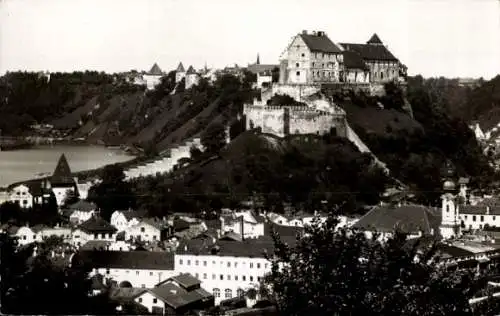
(258, 60)
(450, 226)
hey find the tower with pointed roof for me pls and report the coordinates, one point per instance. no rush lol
(192, 77)
(450, 224)
(180, 73)
(258, 59)
(153, 76)
(62, 181)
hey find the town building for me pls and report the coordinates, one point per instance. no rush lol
(153, 77)
(245, 224)
(147, 229)
(95, 228)
(227, 267)
(25, 235)
(311, 58)
(22, 196)
(176, 295)
(62, 182)
(80, 211)
(122, 220)
(57, 231)
(143, 269)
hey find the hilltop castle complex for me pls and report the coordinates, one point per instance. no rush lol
(311, 65)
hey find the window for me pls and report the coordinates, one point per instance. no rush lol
(465, 217)
(110, 235)
(213, 276)
(447, 208)
(140, 299)
(251, 278)
(258, 279)
(303, 55)
(235, 264)
(251, 265)
(258, 264)
(143, 286)
(240, 292)
(474, 218)
(155, 300)
(197, 275)
(229, 264)
(96, 236)
(143, 229)
(34, 236)
(154, 237)
(298, 73)
(136, 272)
(196, 262)
(228, 293)
(204, 276)
(265, 265)
(313, 64)
(297, 65)
(189, 262)
(228, 277)
(236, 278)
(244, 277)
(24, 237)
(213, 262)
(494, 217)
(221, 277)
(103, 235)
(180, 261)
(107, 271)
(150, 273)
(216, 292)
(204, 263)
(482, 218)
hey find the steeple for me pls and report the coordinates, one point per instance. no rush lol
(374, 40)
(258, 59)
(180, 68)
(62, 173)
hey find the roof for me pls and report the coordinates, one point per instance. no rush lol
(155, 70)
(190, 71)
(180, 68)
(131, 214)
(155, 222)
(255, 247)
(374, 39)
(62, 173)
(96, 245)
(480, 209)
(125, 293)
(320, 43)
(282, 230)
(353, 60)
(260, 68)
(97, 225)
(185, 280)
(407, 218)
(177, 297)
(145, 260)
(180, 224)
(83, 206)
(370, 51)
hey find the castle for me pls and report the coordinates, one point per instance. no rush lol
(190, 76)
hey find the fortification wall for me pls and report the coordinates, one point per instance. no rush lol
(271, 119)
(296, 91)
(307, 121)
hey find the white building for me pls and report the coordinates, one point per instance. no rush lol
(94, 229)
(192, 78)
(26, 235)
(180, 73)
(123, 220)
(22, 196)
(264, 78)
(153, 77)
(145, 230)
(81, 211)
(227, 268)
(62, 232)
(132, 268)
(243, 223)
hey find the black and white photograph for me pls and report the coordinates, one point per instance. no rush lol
(250, 157)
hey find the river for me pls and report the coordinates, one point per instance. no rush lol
(25, 164)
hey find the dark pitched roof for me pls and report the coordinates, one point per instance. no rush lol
(145, 260)
(247, 248)
(453, 251)
(83, 206)
(131, 214)
(180, 224)
(186, 280)
(180, 68)
(353, 60)
(374, 39)
(370, 51)
(282, 230)
(177, 297)
(62, 173)
(320, 43)
(96, 245)
(407, 218)
(37, 188)
(260, 68)
(190, 71)
(155, 70)
(97, 225)
(125, 294)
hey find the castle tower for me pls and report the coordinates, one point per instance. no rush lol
(180, 73)
(192, 77)
(258, 60)
(450, 226)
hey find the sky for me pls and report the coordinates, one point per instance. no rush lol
(451, 38)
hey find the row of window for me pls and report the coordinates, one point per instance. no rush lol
(481, 218)
(258, 265)
(155, 300)
(228, 277)
(228, 293)
(108, 271)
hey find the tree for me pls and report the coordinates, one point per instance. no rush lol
(113, 193)
(214, 138)
(71, 197)
(331, 272)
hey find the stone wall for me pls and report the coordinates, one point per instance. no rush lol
(296, 91)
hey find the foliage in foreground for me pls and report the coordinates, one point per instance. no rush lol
(331, 272)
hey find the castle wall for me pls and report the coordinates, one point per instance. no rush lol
(305, 121)
(295, 91)
(271, 119)
(383, 71)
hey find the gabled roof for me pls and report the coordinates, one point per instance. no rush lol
(320, 43)
(155, 70)
(62, 173)
(191, 71)
(370, 51)
(97, 225)
(180, 68)
(353, 60)
(177, 297)
(144, 260)
(185, 280)
(374, 39)
(82, 206)
(406, 218)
